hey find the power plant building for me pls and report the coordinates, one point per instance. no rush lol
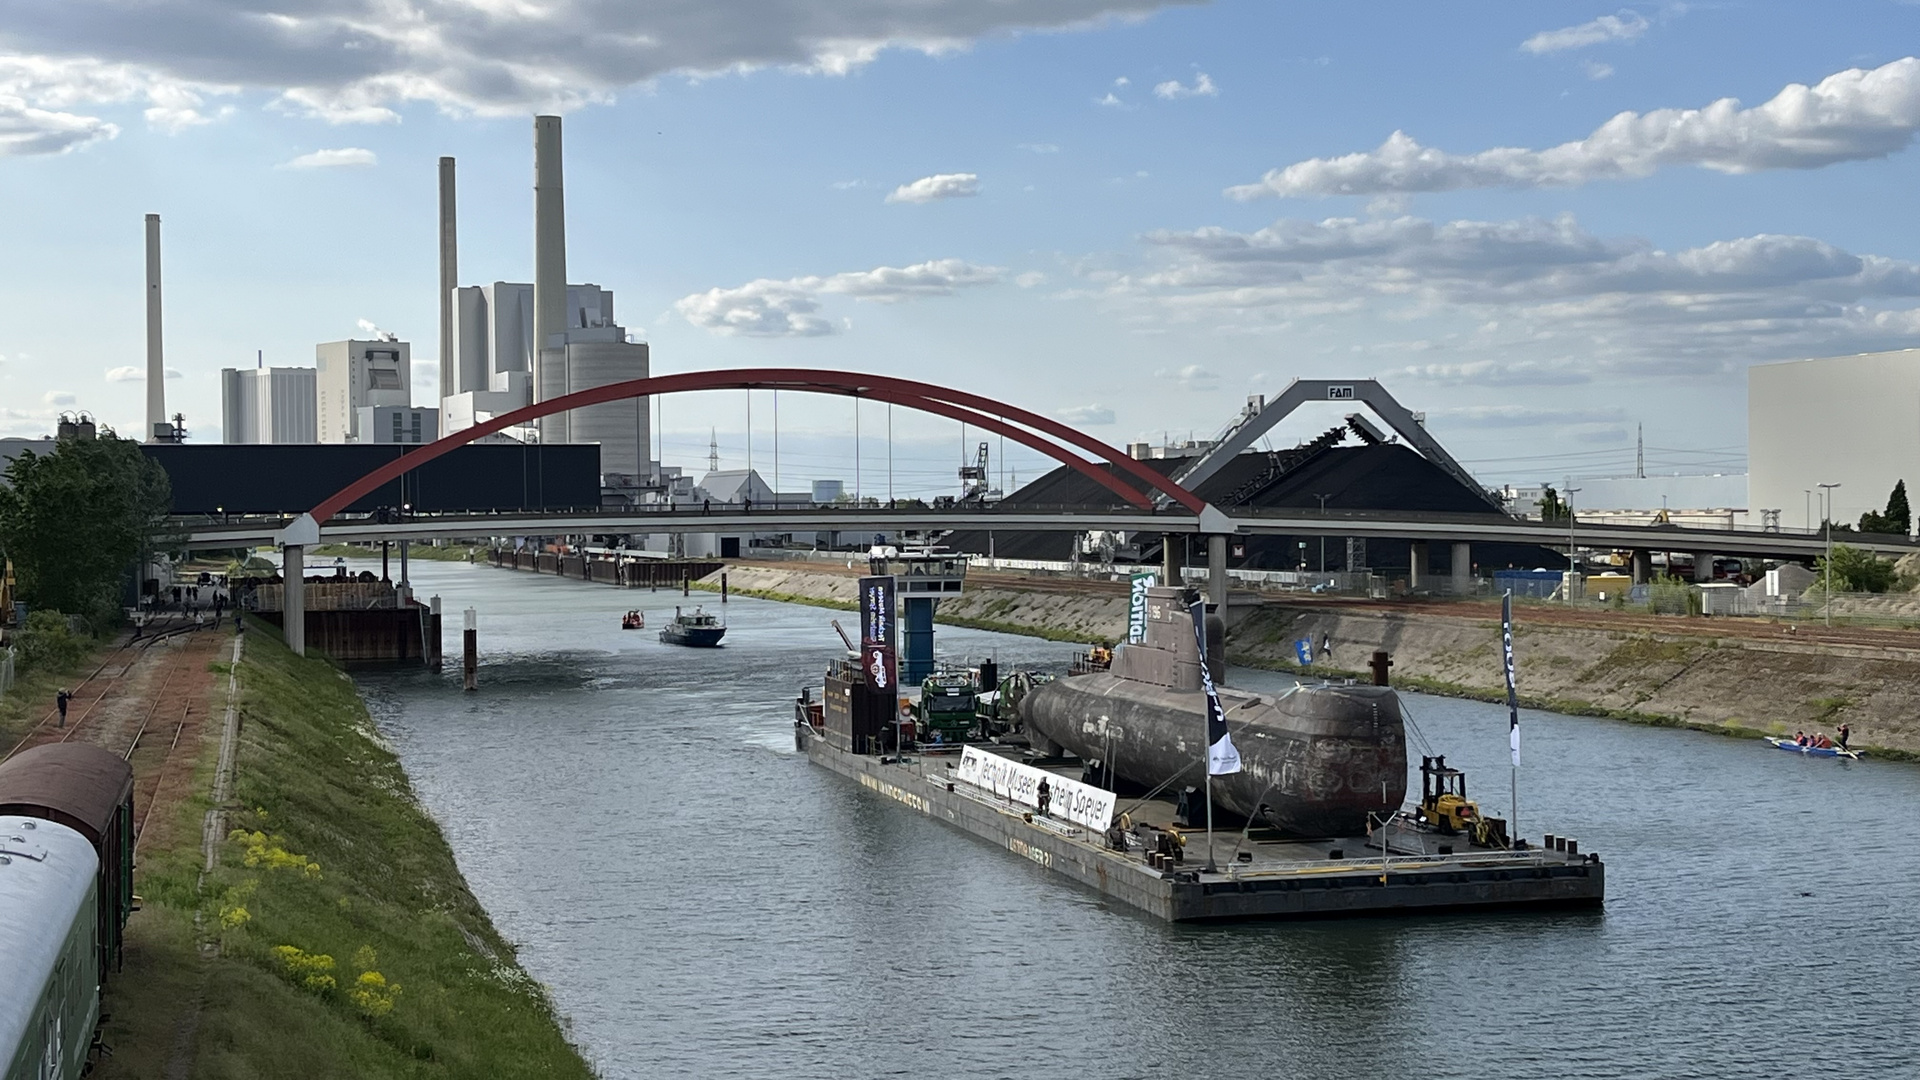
(1853, 421)
(268, 405)
(355, 375)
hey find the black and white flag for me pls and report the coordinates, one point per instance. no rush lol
(1222, 758)
(1513, 697)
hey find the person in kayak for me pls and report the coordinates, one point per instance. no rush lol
(1821, 742)
(1799, 738)
(1845, 734)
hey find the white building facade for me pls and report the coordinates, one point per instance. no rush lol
(355, 375)
(1847, 420)
(269, 405)
(498, 369)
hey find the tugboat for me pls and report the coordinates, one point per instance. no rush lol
(699, 630)
(633, 620)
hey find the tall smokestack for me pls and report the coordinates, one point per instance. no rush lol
(449, 281)
(549, 270)
(156, 362)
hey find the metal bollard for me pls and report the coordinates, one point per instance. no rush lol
(471, 636)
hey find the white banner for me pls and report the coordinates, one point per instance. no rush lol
(1137, 588)
(1082, 804)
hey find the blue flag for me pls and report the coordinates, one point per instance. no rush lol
(1304, 650)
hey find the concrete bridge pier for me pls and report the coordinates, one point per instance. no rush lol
(1217, 573)
(1703, 566)
(293, 602)
(1169, 561)
(1642, 566)
(1417, 569)
(1462, 569)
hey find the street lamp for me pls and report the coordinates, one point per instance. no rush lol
(1569, 585)
(1323, 536)
(1827, 517)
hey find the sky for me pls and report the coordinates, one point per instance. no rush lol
(1545, 225)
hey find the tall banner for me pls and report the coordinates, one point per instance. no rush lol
(1138, 585)
(877, 637)
(1222, 757)
(1513, 696)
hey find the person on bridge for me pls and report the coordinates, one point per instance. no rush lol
(60, 702)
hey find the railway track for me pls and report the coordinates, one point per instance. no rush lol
(124, 656)
(150, 773)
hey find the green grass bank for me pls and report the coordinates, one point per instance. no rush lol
(335, 936)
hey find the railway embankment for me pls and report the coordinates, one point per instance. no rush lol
(331, 933)
(1009, 603)
(1732, 676)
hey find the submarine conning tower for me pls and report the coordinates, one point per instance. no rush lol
(1316, 760)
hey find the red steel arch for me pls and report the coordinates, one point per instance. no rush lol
(955, 404)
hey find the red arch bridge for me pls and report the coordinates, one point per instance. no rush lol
(1156, 504)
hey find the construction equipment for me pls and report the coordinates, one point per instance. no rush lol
(1445, 808)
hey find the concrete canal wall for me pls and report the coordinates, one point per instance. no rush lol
(1737, 677)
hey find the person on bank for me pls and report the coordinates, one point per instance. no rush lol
(1044, 797)
(60, 701)
(1845, 733)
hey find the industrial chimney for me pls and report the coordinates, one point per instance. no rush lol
(449, 281)
(549, 271)
(158, 430)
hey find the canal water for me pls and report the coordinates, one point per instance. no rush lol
(702, 902)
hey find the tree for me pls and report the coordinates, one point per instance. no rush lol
(1896, 520)
(1552, 507)
(76, 520)
(1855, 570)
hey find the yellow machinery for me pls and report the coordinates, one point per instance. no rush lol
(1445, 808)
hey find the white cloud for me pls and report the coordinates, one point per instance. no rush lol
(770, 307)
(59, 398)
(1088, 415)
(130, 373)
(1172, 90)
(37, 92)
(1122, 81)
(1029, 279)
(1540, 291)
(345, 157)
(27, 130)
(1040, 147)
(1596, 70)
(1854, 115)
(1625, 26)
(1110, 101)
(1528, 416)
(1190, 377)
(355, 61)
(936, 187)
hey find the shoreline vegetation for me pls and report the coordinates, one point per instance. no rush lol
(1687, 678)
(333, 935)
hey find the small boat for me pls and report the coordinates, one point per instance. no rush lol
(1811, 751)
(633, 620)
(699, 629)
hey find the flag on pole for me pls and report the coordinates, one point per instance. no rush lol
(1222, 757)
(1513, 697)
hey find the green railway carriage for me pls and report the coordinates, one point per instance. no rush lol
(49, 949)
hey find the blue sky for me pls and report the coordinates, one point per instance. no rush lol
(1115, 258)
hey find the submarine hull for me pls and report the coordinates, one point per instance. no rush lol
(1320, 758)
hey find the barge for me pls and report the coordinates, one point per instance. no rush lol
(1317, 836)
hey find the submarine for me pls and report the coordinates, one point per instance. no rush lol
(1315, 760)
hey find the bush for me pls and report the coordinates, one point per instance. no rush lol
(1855, 570)
(48, 643)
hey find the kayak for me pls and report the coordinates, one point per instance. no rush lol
(1812, 751)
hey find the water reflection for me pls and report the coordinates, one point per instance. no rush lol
(705, 903)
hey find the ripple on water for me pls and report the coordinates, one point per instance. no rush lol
(704, 903)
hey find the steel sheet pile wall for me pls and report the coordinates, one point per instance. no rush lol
(481, 477)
